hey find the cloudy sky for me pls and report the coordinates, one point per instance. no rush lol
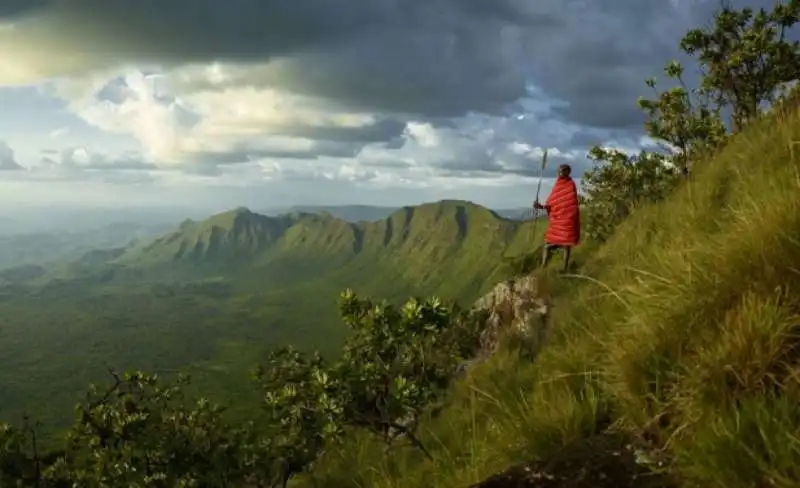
(273, 102)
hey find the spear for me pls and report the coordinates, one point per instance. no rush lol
(534, 212)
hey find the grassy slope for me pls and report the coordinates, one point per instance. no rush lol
(241, 284)
(689, 333)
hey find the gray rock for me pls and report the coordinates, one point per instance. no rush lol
(515, 308)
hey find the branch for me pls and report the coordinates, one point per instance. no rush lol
(411, 437)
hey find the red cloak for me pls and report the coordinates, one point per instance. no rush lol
(564, 226)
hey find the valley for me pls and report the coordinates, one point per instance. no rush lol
(212, 297)
(37, 248)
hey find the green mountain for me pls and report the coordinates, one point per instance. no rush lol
(464, 239)
(212, 296)
(350, 213)
(370, 213)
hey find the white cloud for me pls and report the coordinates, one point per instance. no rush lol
(60, 132)
(186, 120)
(176, 128)
(135, 104)
(424, 134)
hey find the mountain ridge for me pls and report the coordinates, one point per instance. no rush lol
(372, 213)
(241, 235)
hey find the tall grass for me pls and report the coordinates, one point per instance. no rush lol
(682, 331)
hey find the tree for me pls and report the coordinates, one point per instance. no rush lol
(618, 183)
(745, 57)
(18, 458)
(683, 120)
(398, 360)
(303, 401)
(138, 433)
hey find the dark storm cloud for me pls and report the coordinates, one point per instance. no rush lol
(610, 47)
(11, 8)
(244, 153)
(521, 167)
(427, 57)
(423, 57)
(407, 59)
(379, 131)
(8, 161)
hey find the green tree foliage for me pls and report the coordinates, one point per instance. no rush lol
(682, 119)
(397, 361)
(18, 462)
(745, 57)
(303, 400)
(618, 183)
(138, 433)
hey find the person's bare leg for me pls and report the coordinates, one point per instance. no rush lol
(567, 253)
(547, 253)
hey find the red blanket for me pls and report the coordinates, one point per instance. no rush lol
(564, 226)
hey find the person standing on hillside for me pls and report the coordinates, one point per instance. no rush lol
(563, 212)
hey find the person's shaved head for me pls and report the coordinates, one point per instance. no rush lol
(564, 170)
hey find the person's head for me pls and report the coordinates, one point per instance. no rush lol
(564, 170)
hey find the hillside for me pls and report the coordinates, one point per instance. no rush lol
(464, 239)
(212, 296)
(679, 335)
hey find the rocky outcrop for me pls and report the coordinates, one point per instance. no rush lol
(515, 307)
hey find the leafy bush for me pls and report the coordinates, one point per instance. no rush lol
(397, 361)
(303, 400)
(682, 120)
(18, 464)
(618, 183)
(138, 433)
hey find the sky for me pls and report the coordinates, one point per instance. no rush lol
(265, 103)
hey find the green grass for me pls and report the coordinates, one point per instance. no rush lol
(683, 329)
(250, 284)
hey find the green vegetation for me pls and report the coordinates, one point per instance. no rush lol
(684, 338)
(214, 297)
(671, 357)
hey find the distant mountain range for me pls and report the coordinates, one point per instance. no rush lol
(359, 213)
(45, 248)
(421, 247)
